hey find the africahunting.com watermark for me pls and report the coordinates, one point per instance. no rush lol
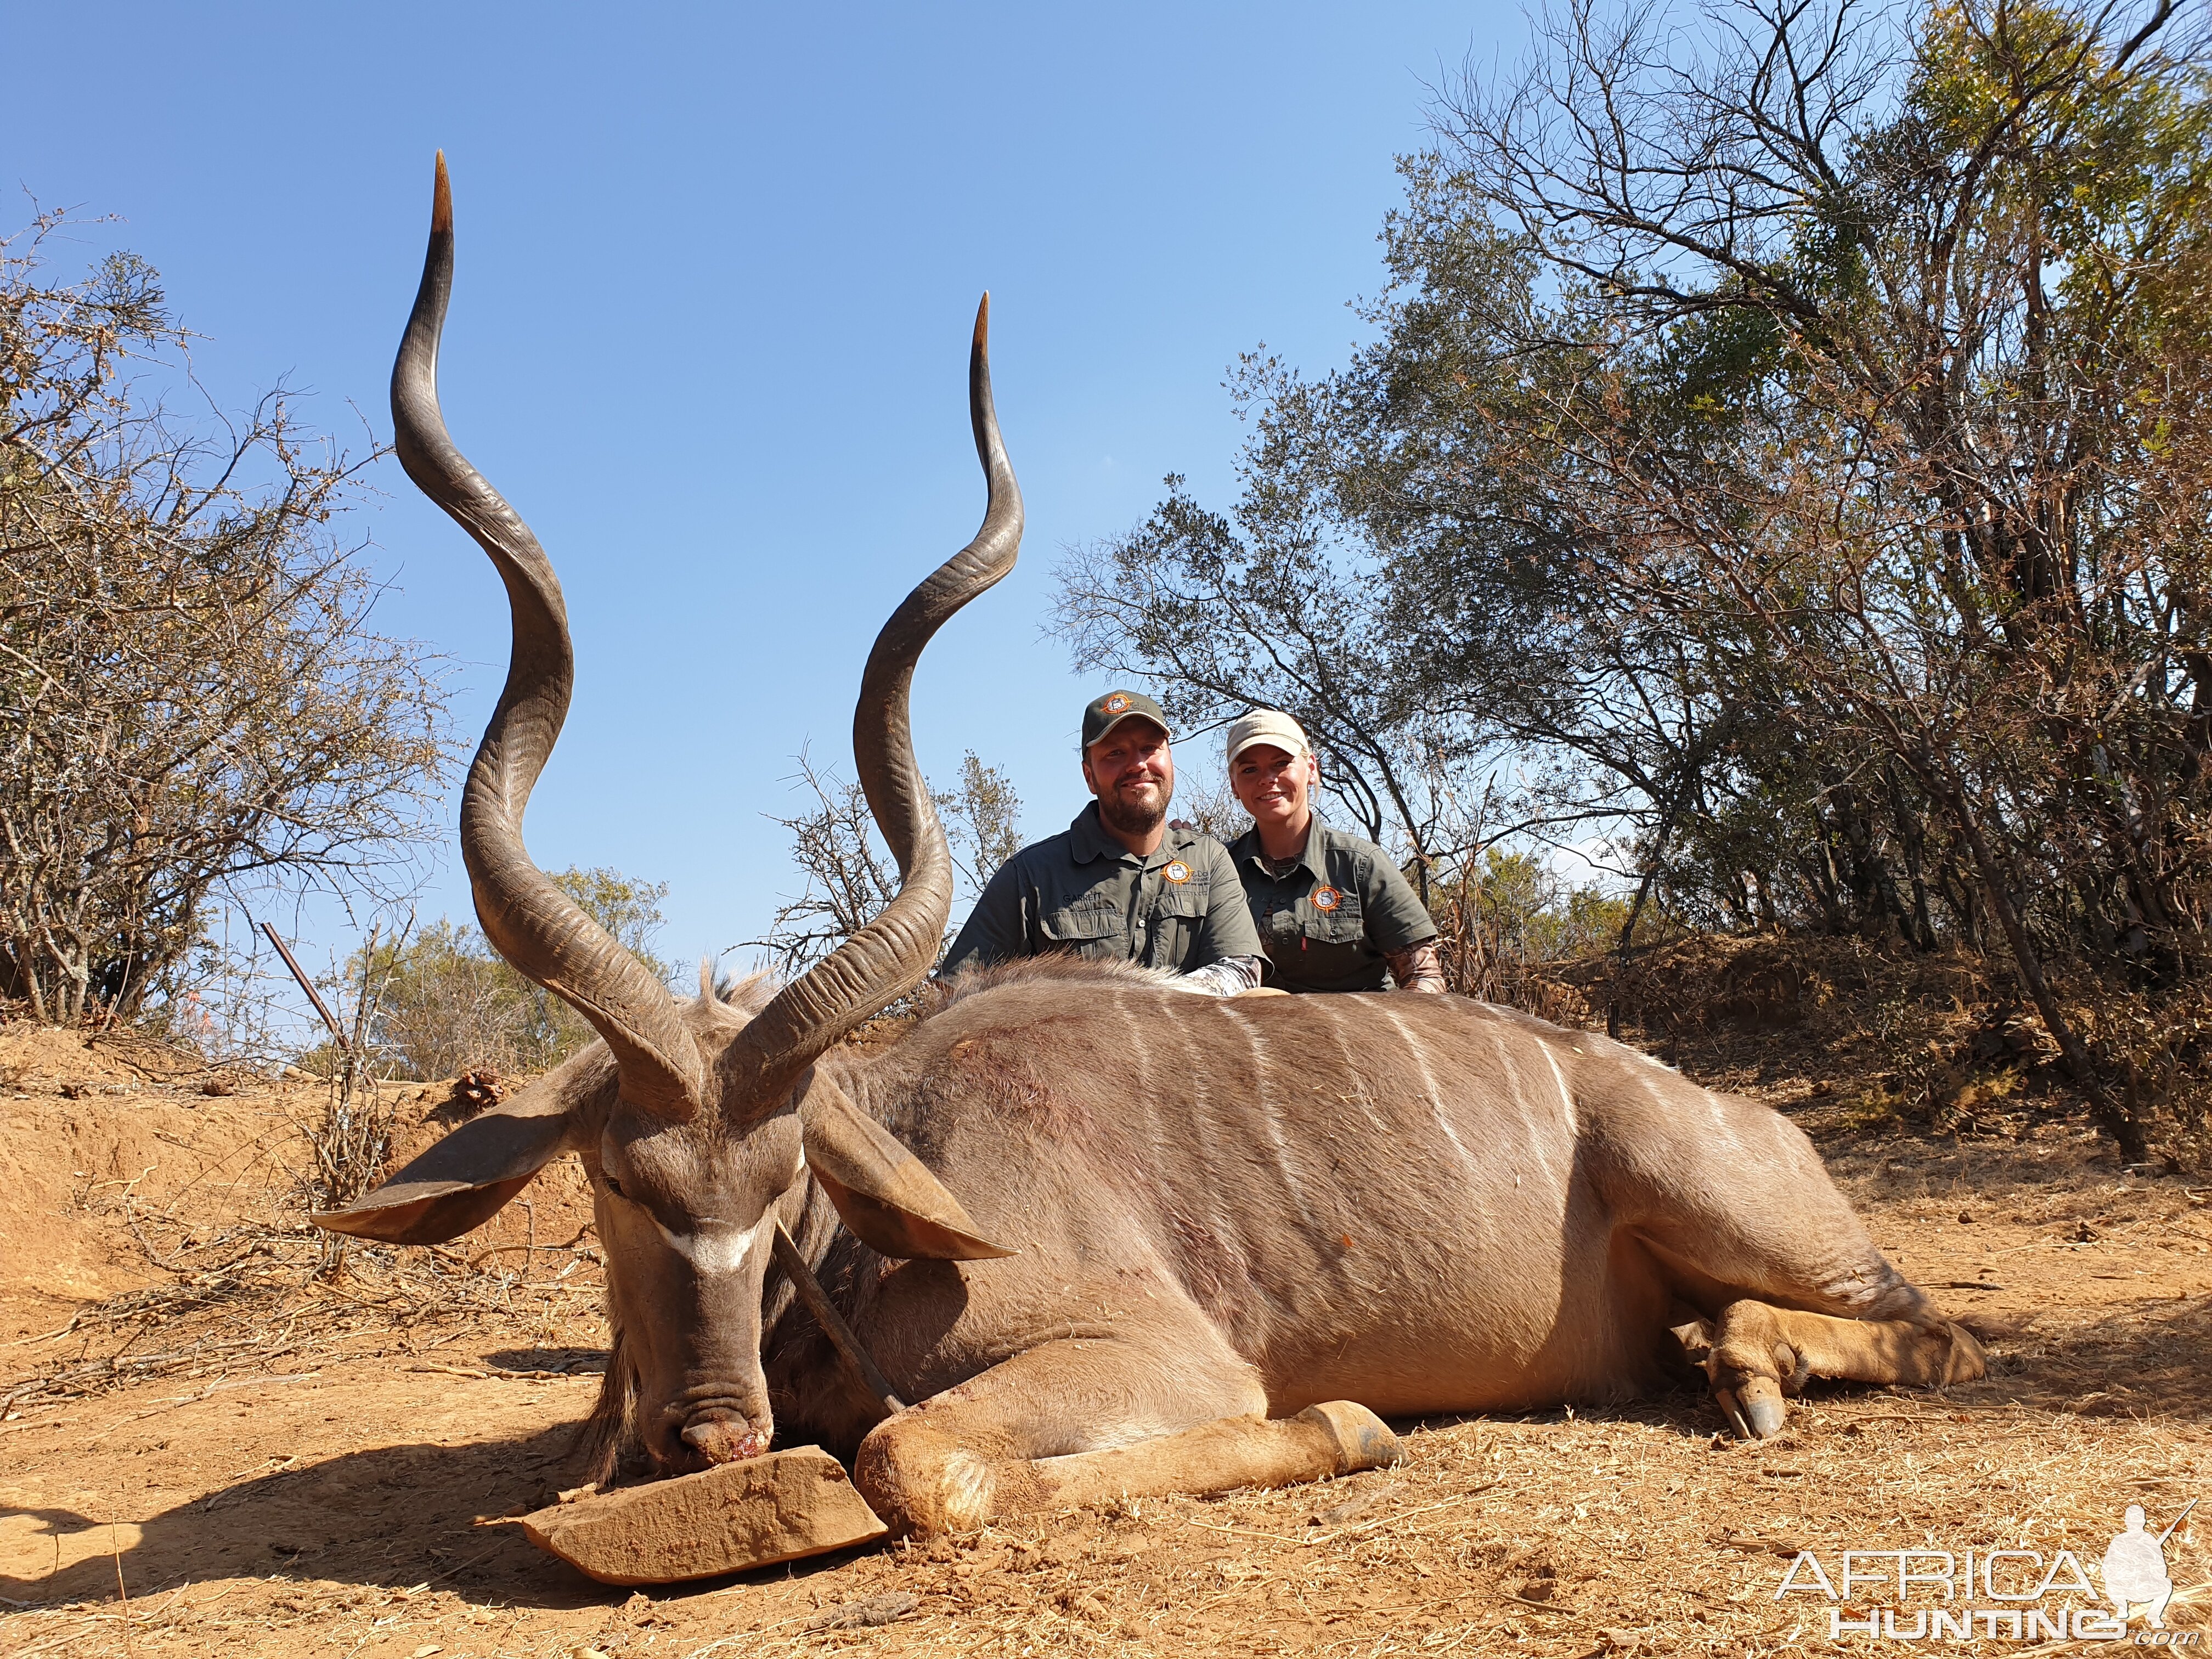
(1986, 1594)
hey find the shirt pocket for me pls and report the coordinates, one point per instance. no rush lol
(1342, 924)
(1172, 928)
(1186, 899)
(1328, 949)
(1094, 930)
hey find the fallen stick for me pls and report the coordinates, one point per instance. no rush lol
(307, 985)
(833, 1322)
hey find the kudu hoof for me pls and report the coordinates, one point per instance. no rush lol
(1362, 1440)
(1754, 1408)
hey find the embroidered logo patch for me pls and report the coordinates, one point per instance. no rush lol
(1177, 872)
(1326, 899)
(1115, 704)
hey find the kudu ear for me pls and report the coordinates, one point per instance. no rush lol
(882, 1192)
(462, 1181)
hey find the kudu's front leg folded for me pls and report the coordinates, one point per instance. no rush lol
(1088, 1422)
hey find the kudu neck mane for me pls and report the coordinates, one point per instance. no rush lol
(1033, 970)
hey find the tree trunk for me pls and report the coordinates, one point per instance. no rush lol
(2124, 1128)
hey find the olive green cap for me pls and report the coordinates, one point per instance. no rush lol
(1103, 713)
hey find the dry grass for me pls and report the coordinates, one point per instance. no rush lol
(1563, 1534)
(253, 1297)
(1605, 1536)
(294, 1467)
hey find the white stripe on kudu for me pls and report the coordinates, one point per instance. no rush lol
(1167, 1145)
(713, 1253)
(1542, 1141)
(1137, 1044)
(1723, 1130)
(1366, 1099)
(1566, 1095)
(1268, 1117)
(1429, 1087)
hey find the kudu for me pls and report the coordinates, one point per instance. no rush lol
(1230, 1216)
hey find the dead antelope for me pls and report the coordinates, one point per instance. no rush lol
(1230, 1216)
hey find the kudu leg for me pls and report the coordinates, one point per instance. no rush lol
(1761, 1353)
(1063, 1424)
(1739, 1217)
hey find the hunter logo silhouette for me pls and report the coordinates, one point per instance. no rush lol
(2134, 1566)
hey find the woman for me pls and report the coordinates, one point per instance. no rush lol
(1333, 912)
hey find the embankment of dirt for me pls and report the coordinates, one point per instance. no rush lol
(86, 1132)
(125, 1174)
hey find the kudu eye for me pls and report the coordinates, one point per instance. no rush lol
(614, 1185)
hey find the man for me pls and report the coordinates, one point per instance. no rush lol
(1332, 911)
(1119, 884)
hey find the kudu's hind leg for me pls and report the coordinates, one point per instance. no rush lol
(1761, 1353)
(1072, 1423)
(1757, 1225)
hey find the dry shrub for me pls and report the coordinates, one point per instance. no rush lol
(1481, 960)
(2160, 1051)
(1935, 1040)
(195, 696)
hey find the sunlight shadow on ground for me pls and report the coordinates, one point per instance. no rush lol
(391, 1516)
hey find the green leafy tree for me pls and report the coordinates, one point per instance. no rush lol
(1786, 436)
(448, 1003)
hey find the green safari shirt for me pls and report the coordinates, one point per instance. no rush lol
(1082, 891)
(1331, 923)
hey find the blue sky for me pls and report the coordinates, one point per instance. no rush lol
(716, 270)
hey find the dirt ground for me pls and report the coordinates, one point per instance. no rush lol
(252, 1461)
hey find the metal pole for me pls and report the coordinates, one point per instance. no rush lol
(833, 1322)
(336, 1035)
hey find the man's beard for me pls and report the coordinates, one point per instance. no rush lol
(1131, 820)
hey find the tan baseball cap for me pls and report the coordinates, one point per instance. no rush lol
(1268, 726)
